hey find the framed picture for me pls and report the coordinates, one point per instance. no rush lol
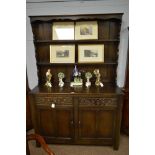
(63, 31)
(62, 53)
(91, 53)
(86, 30)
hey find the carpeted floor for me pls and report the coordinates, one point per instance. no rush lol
(83, 150)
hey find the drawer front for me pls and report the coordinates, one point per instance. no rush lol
(97, 102)
(56, 100)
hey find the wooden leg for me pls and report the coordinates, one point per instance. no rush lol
(118, 125)
(39, 142)
(116, 141)
(116, 146)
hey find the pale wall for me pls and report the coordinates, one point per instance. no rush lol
(77, 7)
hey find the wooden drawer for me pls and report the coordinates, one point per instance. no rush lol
(97, 102)
(56, 100)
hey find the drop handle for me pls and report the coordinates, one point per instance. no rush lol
(72, 122)
(53, 105)
(79, 122)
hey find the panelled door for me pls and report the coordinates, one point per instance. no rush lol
(96, 121)
(55, 121)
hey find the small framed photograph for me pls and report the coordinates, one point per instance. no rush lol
(86, 30)
(62, 53)
(63, 31)
(91, 53)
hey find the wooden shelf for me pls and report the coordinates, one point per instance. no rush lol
(75, 41)
(108, 34)
(79, 64)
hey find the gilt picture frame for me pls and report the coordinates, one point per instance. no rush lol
(91, 53)
(62, 53)
(86, 30)
(63, 31)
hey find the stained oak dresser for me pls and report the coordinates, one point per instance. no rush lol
(77, 115)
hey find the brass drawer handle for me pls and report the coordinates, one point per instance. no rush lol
(53, 105)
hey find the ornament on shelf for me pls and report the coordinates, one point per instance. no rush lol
(98, 76)
(77, 80)
(75, 71)
(48, 78)
(61, 76)
(88, 76)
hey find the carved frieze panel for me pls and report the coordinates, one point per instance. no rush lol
(110, 102)
(53, 100)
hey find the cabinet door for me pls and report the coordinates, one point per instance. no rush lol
(96, 121)
(105, 123)
(87, 123)
(55, 118)
(47, 125)
(56, 124)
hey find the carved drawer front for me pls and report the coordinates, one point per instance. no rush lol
(97, 102)
(55, 101)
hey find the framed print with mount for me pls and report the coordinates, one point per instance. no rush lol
(86, 30)
(91, 53)
(62, 53)
(63, 31)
